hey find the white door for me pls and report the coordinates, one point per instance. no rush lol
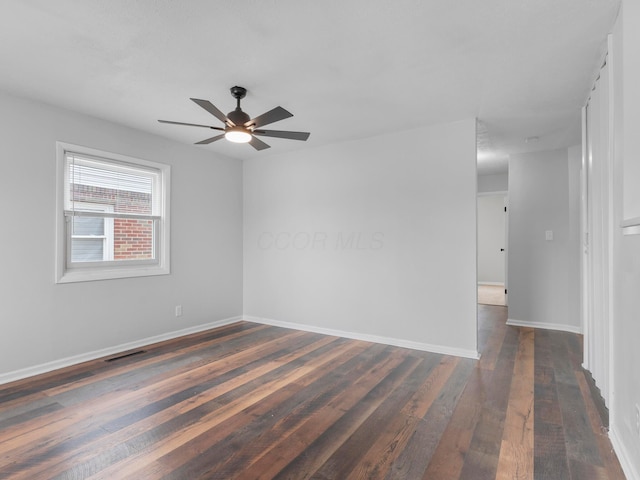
(491, 239)
(597, 230)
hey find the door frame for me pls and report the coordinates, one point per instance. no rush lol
(597, 329)
(505, 194)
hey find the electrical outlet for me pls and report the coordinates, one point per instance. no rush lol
(178, 310)
(638, 419)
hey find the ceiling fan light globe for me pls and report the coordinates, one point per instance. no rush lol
(237, 135)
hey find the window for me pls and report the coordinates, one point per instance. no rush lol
(92, 237)
(113, 216)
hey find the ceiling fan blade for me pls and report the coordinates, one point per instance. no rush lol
(210, 140)
(271, 116)
(191, 124)
(258, 144)
(213, 110)
(283, 134)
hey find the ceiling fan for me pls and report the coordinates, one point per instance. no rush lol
(239, 127)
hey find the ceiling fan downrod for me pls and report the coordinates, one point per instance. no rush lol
(238, 116)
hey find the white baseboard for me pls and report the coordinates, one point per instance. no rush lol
(492, 284)
(624, 456)
(396, 342)
(546, 326)
(105, 352)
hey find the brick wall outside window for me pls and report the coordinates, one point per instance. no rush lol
(132, 238)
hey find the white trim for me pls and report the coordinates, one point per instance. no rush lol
(631, 229)
(496, 192)
(630, 222)
(624, 456)
(105, 352)
(545, 326)
(609, 396)
(134, 268)
(585, 275)
(491, 284)
(107, 214)
(396, 342)
(107, 237)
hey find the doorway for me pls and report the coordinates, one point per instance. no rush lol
(492, 238)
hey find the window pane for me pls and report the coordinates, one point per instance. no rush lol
(87, 249)
(126, 190)
(87, 226)
(133, 239)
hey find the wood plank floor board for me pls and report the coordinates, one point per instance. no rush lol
(24, 416)
(323, 446)
(515, 460)
(410, 394)
(293, 442)
(550, 455)
(481, 460)
(579, 437)
(85, 373)
(415, 457)
(18, 393)
(118, 377)
(448, 459)
(600, 432)
(210, 398)
(391, 443)
(324, 390)
(249, 401)
(225, 407)
(586, 471)
(101, 428)
(58, 425)
(196, 386)
(300, 398)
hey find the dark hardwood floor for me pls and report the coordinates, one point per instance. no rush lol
(248, 401)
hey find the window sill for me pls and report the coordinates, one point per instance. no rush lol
(89, 275)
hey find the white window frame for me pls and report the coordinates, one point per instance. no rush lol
(107, 244)
(68, 272)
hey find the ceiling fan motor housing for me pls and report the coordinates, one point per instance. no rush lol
(238, 116)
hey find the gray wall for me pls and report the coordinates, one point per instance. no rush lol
(45, 322)
(543, 275)
(373, 237)
(493, 183)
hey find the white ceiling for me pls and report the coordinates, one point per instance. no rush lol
(346, 69)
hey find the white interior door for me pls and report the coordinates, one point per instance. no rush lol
(506, 248)
(491, 239)
(597, 230)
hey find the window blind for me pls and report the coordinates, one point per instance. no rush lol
(130, 190)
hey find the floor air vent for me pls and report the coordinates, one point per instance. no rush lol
(125, 355)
